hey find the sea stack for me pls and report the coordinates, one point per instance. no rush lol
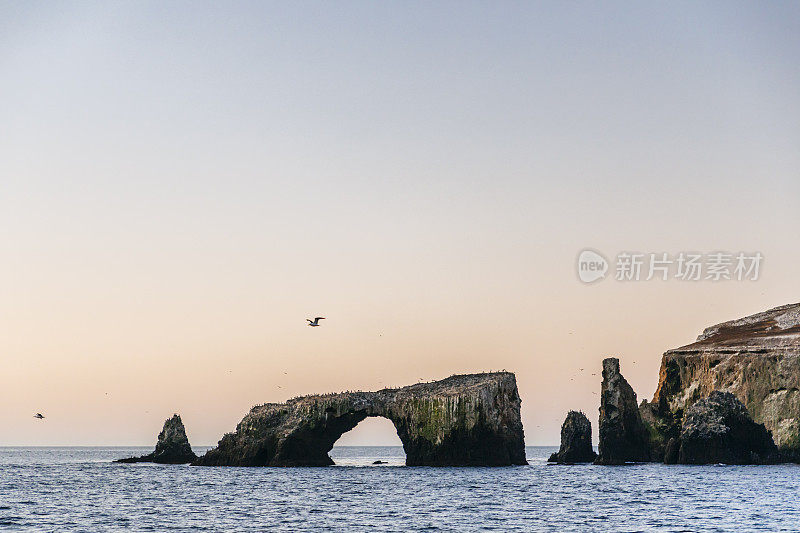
(576, 440)
(172, 446)
(755, 358)
(718, 429)
(623, 437)
(464, 420)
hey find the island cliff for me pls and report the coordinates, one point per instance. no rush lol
(464, 420)
(755, 358)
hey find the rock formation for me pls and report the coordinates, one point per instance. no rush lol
(671, 451)
(756, 358)
(459, 421)
(718, 429)
(576, 440)
(172, 446)
(623, 437)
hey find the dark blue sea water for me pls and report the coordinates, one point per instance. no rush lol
(79, 489)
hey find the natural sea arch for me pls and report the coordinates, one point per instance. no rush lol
(373, 439)
(464, 420)
(313, 446)
(372, 431)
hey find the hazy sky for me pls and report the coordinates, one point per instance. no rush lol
(182, 184)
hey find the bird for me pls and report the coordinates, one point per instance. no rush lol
(38, 416)
(314, 323)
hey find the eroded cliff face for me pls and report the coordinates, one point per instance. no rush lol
(718, 429)
(756, 358)
(466, 420)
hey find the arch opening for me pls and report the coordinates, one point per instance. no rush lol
(373, 439)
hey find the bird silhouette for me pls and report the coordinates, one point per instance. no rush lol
(314, 323)
(38, 416)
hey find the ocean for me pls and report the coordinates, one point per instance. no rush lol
(80, 489)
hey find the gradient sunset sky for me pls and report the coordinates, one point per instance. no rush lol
(183, 183)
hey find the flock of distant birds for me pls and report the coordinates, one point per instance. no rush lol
(313, 323)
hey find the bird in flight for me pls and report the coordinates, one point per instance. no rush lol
(314, 323)
(38, 416)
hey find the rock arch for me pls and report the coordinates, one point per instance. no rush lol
(466, 420)
(373, 431)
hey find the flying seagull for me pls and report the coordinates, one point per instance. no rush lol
(38, 416)
(314, 323)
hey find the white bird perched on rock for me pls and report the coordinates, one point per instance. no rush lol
(314, 323)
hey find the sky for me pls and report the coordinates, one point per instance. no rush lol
(183, 183)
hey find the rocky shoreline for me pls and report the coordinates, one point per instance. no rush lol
(732, 396)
